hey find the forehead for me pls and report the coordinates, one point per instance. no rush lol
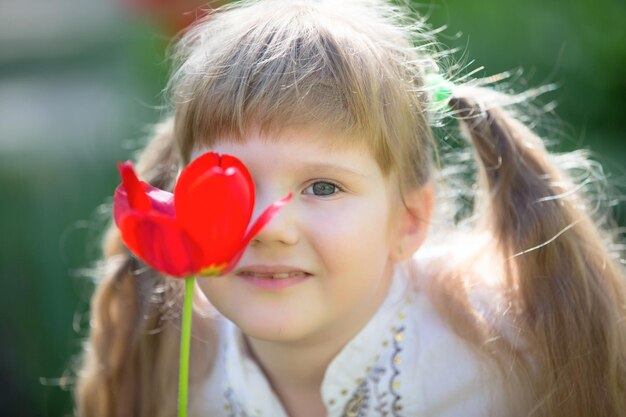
(298, 148)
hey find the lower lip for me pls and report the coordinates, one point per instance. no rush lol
(273, 284)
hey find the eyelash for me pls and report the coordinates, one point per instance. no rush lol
(338, 188)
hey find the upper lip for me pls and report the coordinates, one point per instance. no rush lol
(269, 269)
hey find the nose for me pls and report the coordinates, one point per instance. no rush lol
(281, 230)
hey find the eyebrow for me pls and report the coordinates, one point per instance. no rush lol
(331, 169)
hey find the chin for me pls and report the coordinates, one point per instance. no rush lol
(271, 327)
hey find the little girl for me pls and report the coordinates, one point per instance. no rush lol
(340, 306)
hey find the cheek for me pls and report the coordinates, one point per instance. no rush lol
(350, 232)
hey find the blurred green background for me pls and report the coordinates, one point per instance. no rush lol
(81, 80)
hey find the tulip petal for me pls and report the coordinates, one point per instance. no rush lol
(137, 198)
(215, 211)
(266, 216)
(196, 169)
(261, 221)
(161, 202)
(205, 164)
(161, 243)
(228, 161)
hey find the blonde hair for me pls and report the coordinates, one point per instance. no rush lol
(296, 63)
(358, 67)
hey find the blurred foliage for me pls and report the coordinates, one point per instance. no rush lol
(54, 183)
(579, 45)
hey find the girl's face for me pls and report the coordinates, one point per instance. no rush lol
(322, 266)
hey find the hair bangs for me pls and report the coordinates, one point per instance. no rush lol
(277, 74)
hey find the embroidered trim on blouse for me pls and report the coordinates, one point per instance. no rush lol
(369, 393)
(232, 406)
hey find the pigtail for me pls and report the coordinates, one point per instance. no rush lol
(130, 362)
(564, 287)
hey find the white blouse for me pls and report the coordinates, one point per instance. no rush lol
(405, 362)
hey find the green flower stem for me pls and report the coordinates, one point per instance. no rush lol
(185, 342)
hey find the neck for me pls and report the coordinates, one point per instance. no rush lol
(296, 369)
(301, 366)
(296, 373)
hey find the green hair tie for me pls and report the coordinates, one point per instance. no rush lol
(439, 89)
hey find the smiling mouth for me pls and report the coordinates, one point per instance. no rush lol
(268, 275)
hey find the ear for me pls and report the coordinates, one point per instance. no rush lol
(412, 222)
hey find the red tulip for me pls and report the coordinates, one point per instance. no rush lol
(200, 229)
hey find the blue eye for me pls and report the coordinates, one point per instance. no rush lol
(322, 189)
